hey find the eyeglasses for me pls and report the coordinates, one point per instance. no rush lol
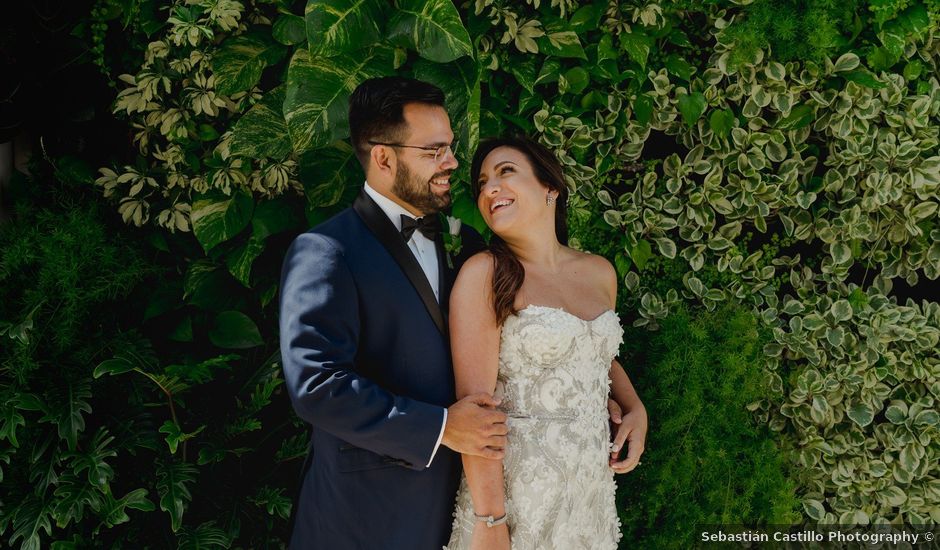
(439, 152)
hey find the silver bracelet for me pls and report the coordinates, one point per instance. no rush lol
(491, 521)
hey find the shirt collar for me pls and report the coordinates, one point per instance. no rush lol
(392, 209)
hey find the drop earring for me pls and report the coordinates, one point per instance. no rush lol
(549, 199)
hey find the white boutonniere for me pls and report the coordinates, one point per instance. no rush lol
(452, 242)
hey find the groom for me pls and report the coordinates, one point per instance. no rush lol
(364, 339)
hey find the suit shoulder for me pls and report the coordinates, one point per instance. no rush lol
(338, 232)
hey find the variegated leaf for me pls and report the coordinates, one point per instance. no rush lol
(240, 60)
(342, 26)
(318, 88)
(432, 27)
(262, 131)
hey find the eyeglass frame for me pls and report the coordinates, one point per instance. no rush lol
(452, 146)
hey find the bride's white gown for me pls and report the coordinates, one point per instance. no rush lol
(553, 381)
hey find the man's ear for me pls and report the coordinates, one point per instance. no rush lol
(381, 160)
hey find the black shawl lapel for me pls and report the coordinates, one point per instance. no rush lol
(445, 277)
(384, 230)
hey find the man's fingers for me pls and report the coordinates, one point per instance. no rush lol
(496, 441)
(484, 400)
(491, 453)
(495, 417)
(498, 429)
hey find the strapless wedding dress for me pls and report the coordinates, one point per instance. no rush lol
(553, 382)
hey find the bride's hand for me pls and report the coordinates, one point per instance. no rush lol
(631, 428)
(489, 538)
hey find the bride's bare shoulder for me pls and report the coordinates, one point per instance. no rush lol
(596, 269)
(477, 267)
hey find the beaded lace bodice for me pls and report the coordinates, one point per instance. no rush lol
(553, 381)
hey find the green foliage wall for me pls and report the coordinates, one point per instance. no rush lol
(780, 158)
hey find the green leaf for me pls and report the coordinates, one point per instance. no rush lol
(586, 18)
(183, 332)
(896, 413)
(217, 218)
(289, 29)
(238, 63)
(814, 509)
(316, 103)
(861, 414)
(841, 310)
(577, 79)
(94, 459)
(525, 71)
(10, 418)
(239, 261)
(846, 62)
(679, 67)
(641, 253)
(799, 117)
(29, 517)
(327, 173)
(72, 494)
(204, 371)
(841, 253)
(549, 72)
(691, 106)
(208, 287)
(172, 486)
(666, 247)
(175, 435)
(858, 300)
(342, 26)
(465, 208)
(432, 27)
(460, 82)
(70, 420)
(864, 78)
(275, 216)
(204, 537)
(835, 336)
(262, 131)
(235, 330)
(560, 41)
(643, 108)
(637, 45)
(927, 418)
(118, 365)
(721, 121)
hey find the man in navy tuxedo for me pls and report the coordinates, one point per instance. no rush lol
(364, 340)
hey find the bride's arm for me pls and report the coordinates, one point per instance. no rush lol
(474, 337)
(629, 414)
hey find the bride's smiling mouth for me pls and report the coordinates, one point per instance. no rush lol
(500, 204)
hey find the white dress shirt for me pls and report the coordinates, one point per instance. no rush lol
(425, 252)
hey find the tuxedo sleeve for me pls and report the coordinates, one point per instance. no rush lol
(319, 336)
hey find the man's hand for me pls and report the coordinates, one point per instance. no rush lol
(475, 427)
(631, 428)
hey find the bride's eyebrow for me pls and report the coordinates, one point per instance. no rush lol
(481, 179)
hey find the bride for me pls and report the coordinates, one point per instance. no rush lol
(532, 322)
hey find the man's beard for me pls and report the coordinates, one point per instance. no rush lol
(418, 193)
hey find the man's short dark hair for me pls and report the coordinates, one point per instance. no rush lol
(376, 110)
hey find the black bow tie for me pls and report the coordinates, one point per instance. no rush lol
(429, 226)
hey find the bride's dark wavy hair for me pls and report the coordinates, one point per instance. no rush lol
(508, 272)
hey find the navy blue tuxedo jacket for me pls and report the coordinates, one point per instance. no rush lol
(367, 363)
